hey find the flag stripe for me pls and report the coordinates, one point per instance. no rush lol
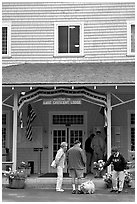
(31, 116)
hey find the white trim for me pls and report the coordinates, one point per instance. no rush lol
(129, 23)
(8, 25)
(81, 53)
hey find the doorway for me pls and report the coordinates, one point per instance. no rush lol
(67, 134)
(66, 126)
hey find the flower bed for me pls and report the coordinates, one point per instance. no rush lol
(127, 182)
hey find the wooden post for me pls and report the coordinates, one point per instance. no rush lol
(14, 148)
(109, 129)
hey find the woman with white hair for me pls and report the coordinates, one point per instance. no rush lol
(60, 163)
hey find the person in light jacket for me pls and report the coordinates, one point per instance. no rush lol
(60, 160)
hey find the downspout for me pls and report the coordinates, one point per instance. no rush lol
(14, 148)
(109, 108)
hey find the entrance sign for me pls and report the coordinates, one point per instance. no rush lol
(78, 92)
(62, 101)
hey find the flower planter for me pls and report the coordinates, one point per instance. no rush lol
(17, 183)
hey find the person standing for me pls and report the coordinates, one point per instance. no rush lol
(60, 160)
(99, 148)
(119, 164)
(89, 153)
(76, 164)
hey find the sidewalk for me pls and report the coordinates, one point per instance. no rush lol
(34, 181)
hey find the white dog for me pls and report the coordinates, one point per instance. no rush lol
(88, 187)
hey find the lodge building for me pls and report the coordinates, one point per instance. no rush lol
(74, 63)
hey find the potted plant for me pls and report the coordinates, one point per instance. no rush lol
(16, 178)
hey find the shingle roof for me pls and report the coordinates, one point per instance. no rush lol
(75, 73)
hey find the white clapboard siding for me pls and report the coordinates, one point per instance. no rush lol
(32, 30)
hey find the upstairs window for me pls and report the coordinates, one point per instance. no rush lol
(68, 39)
(130, 38)
(6, 39)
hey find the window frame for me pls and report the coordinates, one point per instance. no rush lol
(129, 23)
(56, 25)
(8, 25)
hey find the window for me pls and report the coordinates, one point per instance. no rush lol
(132, 131)
(68, 39)
(68, 119)
(131, 38)
(5, 129)
(6, 39)
(131, 135)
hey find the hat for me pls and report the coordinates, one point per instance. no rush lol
(77, 142)
(98, 131)
(63, 144)
(114, 149)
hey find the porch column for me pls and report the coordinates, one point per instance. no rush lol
(14, 148)
(109, 129)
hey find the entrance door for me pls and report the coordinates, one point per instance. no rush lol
(66, 126)
(68, 134)
(75, 133)
(59, 135)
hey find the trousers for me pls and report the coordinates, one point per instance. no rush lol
(88, 162)
(59, 178)
(115, 176)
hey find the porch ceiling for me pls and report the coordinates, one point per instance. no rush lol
(75, 73)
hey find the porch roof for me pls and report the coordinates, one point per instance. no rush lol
(72, 73)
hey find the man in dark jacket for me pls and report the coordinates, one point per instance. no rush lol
(119, 164)
(89, 153)
(76, 164)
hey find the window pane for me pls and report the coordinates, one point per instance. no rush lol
(132, 38)
(63, 39)
(74, 39)
(133, 119)
(4, 40)
(3, 137)
(132, 139)
(3, 119)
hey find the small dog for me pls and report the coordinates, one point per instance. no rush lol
(88, 187)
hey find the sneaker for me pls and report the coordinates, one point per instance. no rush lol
(74, 192)
(80, 192)
(118, 191)
(59, 190)
(112, 190)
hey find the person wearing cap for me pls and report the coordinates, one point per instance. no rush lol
(99, 148)
(76, 164)
(119, 164)
(89, 153)
(60, 160)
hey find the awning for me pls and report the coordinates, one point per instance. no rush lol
(40, 74)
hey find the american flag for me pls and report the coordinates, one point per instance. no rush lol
(103, 111)
(30, 117)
